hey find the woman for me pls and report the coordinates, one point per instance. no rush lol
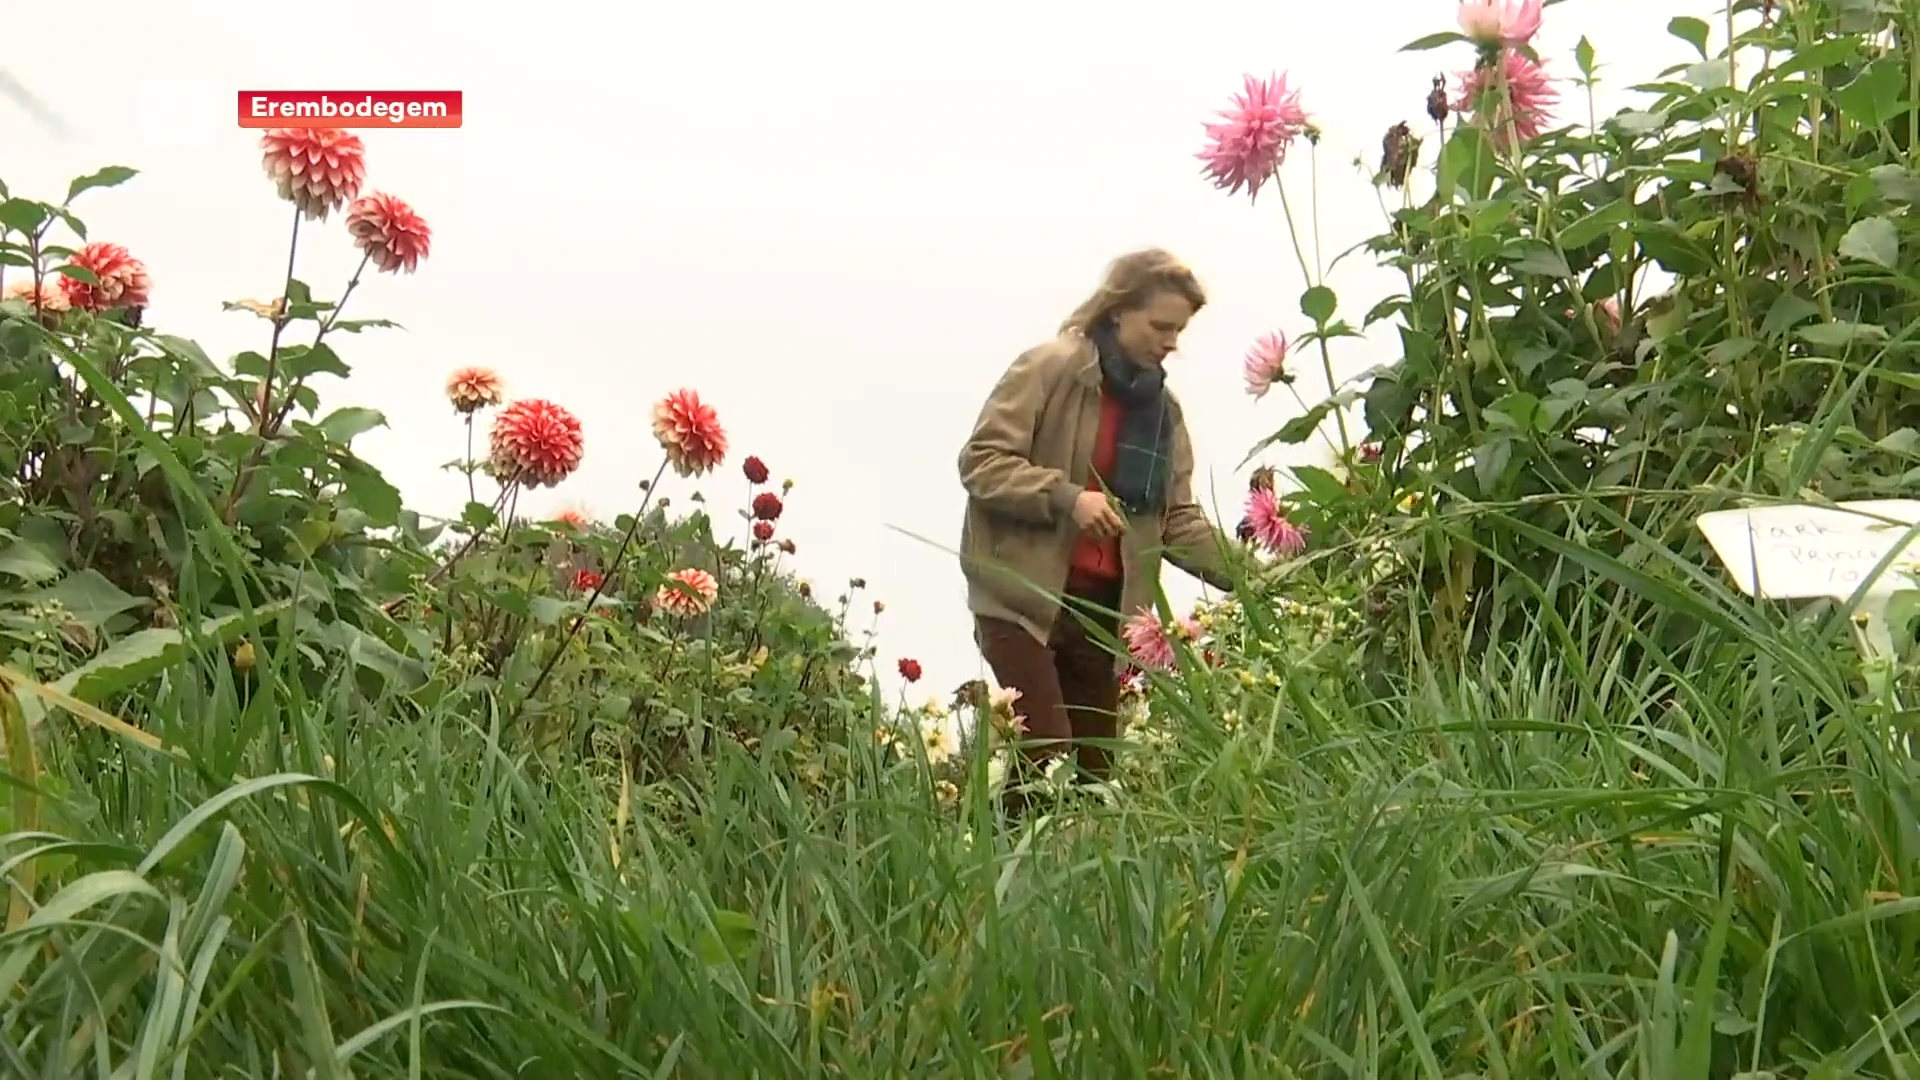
(1079, 480)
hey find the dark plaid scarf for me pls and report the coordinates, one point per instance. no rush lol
(1143, 457)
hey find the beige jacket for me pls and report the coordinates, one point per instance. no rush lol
(1029, 458)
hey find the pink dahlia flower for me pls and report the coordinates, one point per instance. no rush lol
(1496, 23)
(315, 169)
(687, 593)
(1268, 523)
(690, 432)
(1250, 139)
(1528, 102)
(394, 237)
(537, 441)
(1150, 643)
(1266, 364)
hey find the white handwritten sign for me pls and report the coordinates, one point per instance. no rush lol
(1801, 552)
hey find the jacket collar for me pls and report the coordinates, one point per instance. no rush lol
(1086, 360)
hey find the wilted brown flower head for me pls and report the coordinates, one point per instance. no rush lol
(1399, 153)
(1437, 99)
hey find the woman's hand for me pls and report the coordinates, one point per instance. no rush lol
(1095, 515)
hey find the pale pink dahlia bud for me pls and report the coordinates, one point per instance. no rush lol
(394, 237)
(1492, 24)
(315, 169)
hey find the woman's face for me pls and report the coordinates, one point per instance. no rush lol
(1151, 331)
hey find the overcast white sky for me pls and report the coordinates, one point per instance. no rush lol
(837, 220)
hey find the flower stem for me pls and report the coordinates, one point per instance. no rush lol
(472, 496)
(263, 405)
(613, 570)
(1319, 338)
(280, 322)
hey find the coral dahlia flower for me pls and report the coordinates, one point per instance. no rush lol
(1528, 102)
(1250, 138)
(1266, 364)
(394, 237)
(537, 441)
(574, 518)
(52, 298)
(120, 280)
(586, 581)
(315, 169)
(687, 593)
(1268, 524)
(1494, 23)
(910, 669)
(471, 389)
(767, 506)
(689, 431)
(756, 470)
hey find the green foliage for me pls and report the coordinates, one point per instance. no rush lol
(1497, 778)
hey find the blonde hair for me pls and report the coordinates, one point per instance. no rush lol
(1132, 280)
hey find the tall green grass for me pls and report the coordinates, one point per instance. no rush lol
(1562, 858)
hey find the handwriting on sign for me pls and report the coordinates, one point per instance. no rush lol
(1808, 551)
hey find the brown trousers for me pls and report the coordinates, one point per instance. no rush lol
(1069, 690)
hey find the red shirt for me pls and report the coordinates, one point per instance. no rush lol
(1099, 560)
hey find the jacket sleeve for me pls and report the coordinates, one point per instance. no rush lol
(996, 467)
(1189, 541)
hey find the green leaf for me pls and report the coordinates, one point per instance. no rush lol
(27, 562)
(1467, 163)
(302, 361)
(22, 215)
(1675, 251)
(1517, 411)
(90, 597)
(111, 176)
(549, 610)
(1318, 304)
(1583, 56)
(77, 273)
(1896, 183)
(1840, 334)
(1875, 240)
(1634, 123)
(369, 492)
(1873, 97)
(138, 657)
(1544, 261)
(1433, 41)
(1789, 309)
(1692, 31)
(1709, 74)
(1589, 227)
(341, 425)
